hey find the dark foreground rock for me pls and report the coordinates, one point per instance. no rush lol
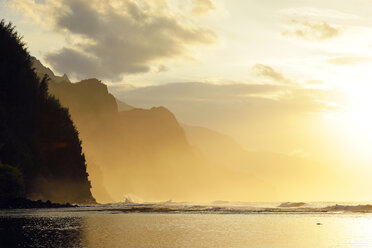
(16, 203)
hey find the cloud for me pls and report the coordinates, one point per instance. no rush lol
(314, 82)
(200, 7)
(311, 12)
(350, 60)
(108, 39)
(312, 30)
(225, 99)
(162, 68)
(279, 95)
(202, 92)
(268, 72)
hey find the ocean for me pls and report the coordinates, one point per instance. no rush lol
(320, 225)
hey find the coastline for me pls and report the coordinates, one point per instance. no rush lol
(23, 203)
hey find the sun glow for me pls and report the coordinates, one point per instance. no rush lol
(360, 119)
(355, 121)
(347, 128)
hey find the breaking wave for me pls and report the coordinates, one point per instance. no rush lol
(222, 207)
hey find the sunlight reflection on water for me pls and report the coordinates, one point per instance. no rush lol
(58, 229)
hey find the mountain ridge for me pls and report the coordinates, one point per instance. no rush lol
(146, 152)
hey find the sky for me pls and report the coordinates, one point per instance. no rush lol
(284, 76)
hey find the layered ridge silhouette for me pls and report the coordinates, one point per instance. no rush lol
(146, 152)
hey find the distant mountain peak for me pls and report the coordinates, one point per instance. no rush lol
(41, 70)
(122, 106)
(65, 77)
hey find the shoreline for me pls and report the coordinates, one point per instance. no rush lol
(23, 203)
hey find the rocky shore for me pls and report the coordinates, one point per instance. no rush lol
(18, 203)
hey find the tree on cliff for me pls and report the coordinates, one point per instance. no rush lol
(37, 137)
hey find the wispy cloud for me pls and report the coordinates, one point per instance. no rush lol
(311, 30)
(350, 60)
(200, 7)
(225, 98)
(207, 92)
(271, 74)
(312, 12)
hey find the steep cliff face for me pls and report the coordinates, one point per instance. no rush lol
(125, 150)
(41, 70)
(89, 102)
(145, 152)
(122, 148)
(37, 136)
(156, 128)
(95, 115)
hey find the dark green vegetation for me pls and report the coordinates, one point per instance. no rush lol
(11, 182)
(38, 141)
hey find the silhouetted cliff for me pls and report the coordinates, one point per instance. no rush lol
(38, 141)
(41, 70)
(122, 148)
(145, 152)
(95, 114)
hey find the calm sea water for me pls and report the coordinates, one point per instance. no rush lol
(87, 227)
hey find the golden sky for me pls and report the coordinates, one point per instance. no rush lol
(285, 76)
